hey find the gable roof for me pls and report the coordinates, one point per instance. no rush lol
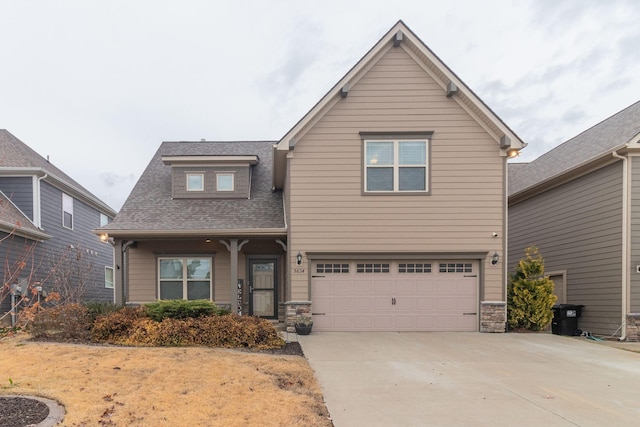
(150, 210)
(612, 134)
(13, 220)
(18, 158)
(399, 36)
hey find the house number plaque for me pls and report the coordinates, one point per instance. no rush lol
(298, 270)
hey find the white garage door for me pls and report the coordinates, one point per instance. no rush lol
(395, 296)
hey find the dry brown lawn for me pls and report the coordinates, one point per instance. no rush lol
(141, 386)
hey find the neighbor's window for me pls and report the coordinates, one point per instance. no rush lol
(67, 211)
(184, 278)
(195, 182)
(224, 182)
(104, 220)
(108, 277)
(396, 166)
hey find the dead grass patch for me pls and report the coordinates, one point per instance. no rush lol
(140, 386)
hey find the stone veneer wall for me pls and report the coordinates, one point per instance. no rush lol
(295, 311)
(633, 327)
(493, 316)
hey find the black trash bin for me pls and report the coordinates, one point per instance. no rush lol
(565, 319)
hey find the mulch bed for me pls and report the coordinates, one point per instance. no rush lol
(21, 411)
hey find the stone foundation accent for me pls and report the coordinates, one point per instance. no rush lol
(633, 327)
(296, 311)
(493, 316)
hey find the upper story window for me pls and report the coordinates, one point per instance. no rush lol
(195, 182)
(67, 211)
(224, 182)
(396, 165)
(104, 220)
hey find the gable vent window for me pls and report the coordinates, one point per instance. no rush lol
(456, 268)
(67, 211)
(372, 268)
(414, 268)
(224, 182)
(396, 166)
(332, 268)
(195, 182)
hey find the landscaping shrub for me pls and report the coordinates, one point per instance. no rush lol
(95, 309)
(114, 327)
(230, 331)
(63, 322)
(530, 295)
(181, 309)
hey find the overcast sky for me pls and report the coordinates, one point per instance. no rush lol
(98, 85)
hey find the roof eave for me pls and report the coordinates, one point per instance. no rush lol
(202, 233)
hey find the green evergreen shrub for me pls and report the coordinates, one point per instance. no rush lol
(181, 309)
(530, 295)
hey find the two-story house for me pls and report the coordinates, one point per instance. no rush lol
(46, 220)
(382, 209)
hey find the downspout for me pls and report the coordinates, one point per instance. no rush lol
(37, 214)
(625, 243)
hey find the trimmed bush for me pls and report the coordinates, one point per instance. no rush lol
(113, 327)
(530, 295)
(63, 322)
(95, 309)
(181, 309)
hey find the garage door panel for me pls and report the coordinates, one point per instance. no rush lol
(394, 300)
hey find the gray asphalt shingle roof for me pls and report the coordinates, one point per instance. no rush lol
(610, 134)
(150, 207)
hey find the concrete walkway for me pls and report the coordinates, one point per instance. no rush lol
(472, 379)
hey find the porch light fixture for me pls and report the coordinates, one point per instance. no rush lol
(299, 258)
(495, 258)
(104, 237)
(513, 153)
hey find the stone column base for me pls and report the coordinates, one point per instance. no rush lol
(296, 311)
(493, 316)
(633, 327)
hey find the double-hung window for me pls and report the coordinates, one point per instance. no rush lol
(184, 278)
(108, 277)
(396, 165)
(67, 211)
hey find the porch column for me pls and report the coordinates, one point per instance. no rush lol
(233, 249)
(118, 273)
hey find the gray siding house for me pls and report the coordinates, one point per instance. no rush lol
(46, 219)
(382, 209)
(580, 205)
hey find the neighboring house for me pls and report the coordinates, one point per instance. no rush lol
(580, 205)
(383, 208)
(44, 214)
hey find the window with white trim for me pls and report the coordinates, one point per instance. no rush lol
(395, 166)
(184, 278)
(67, 211)
(195, 182)
(104, 219)
(108, 277)
(224, 182)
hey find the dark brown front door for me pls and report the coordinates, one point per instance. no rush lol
(262, 288)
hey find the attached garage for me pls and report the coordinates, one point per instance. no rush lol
(395, 295)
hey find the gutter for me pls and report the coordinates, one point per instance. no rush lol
(625, 243)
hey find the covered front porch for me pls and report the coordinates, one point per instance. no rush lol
(243, 273)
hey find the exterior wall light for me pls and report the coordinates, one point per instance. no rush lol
(513, 153)
(104, 237)
(299, 258)
(495, 258)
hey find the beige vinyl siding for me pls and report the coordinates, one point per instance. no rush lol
(634, 165)
(328, 211)
(578, 228)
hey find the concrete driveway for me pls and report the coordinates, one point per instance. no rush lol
(472, 379)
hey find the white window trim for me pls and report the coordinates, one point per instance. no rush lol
(233, 181)
(201, 175)
(106, 283)
(104, 219)
(184, 279)
(68, 199)
(396, 166)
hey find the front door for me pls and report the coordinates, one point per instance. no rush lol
(262, 288)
